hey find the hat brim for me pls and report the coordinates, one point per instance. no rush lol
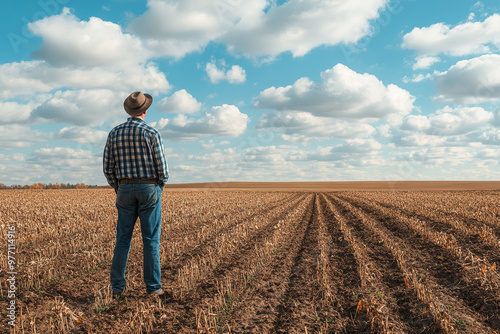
(137, 112)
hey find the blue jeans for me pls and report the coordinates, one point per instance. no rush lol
(143, 201)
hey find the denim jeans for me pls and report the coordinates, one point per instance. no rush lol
(143, 201)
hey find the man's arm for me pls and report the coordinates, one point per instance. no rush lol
(109, 165)
(160, 161)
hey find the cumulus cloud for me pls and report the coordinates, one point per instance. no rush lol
(236, 74)
(448, 126)
(303, 126)
(220, 121)
(425, 62)
(301, 25)
(449, 121)
(346, 149)
(442, 156)
(79, 54)
(220, 156)
(64, 164)
(471, 81)
(496, 121)
(26, 78)
(254, 28)
(82, 107)
(350, 153)
(464, 39)
(489, 136)
(489, 154)
(13, 112)
(180, 102)
(175, 28)
(342, 94)
(67, 41)
(419, 140)
(15, 136)
(48, 154)
(272, 154)
(417, 78)
(83, 135)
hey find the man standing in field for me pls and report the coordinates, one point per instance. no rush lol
(135, 166)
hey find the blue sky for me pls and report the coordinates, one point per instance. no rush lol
(255, 90)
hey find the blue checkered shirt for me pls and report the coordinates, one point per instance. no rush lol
(134, 150)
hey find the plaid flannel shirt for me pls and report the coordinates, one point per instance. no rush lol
(134, 150)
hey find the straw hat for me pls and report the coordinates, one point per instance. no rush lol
(137, 103)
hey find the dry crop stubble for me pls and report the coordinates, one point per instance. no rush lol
(261, 261)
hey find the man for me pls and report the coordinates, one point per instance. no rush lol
(135, 166)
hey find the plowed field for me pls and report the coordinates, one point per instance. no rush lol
(260, 262)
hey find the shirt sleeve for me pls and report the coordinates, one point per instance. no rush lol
(160, 161)
(109, 165)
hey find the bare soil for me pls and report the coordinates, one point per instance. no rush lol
(310, 258)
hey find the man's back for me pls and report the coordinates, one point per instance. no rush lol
(134, 150)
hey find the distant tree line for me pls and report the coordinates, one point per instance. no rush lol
(50, 186)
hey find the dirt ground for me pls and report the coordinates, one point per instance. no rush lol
(326, 259)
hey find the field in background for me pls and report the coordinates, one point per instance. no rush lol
(288, 258)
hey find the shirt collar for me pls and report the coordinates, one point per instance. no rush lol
(138, 119)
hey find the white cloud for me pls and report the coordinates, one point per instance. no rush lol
(180, 102)
(13, 112)
(416, 123)
(342, 94)
(417, 78)
(489, 154)
(214, 74)
(62, 164)
(26, 78)
(420, 140)
(67, 41)
(254, 27)
(47, 154)
(488, 136)
(471, 81)
(79, 54)
(464, 39)
(82, 107)
(15, 136)
(234, 75)
(83, 135)
(442, 156)
(302, 126)
(273, 154)
(12, 157)
(449, 121)
(301, 25)
(221, 121)
(175, 28)
(425, 62)
(220, 156)
(448, 126)
(496, 121)
(352, 152)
